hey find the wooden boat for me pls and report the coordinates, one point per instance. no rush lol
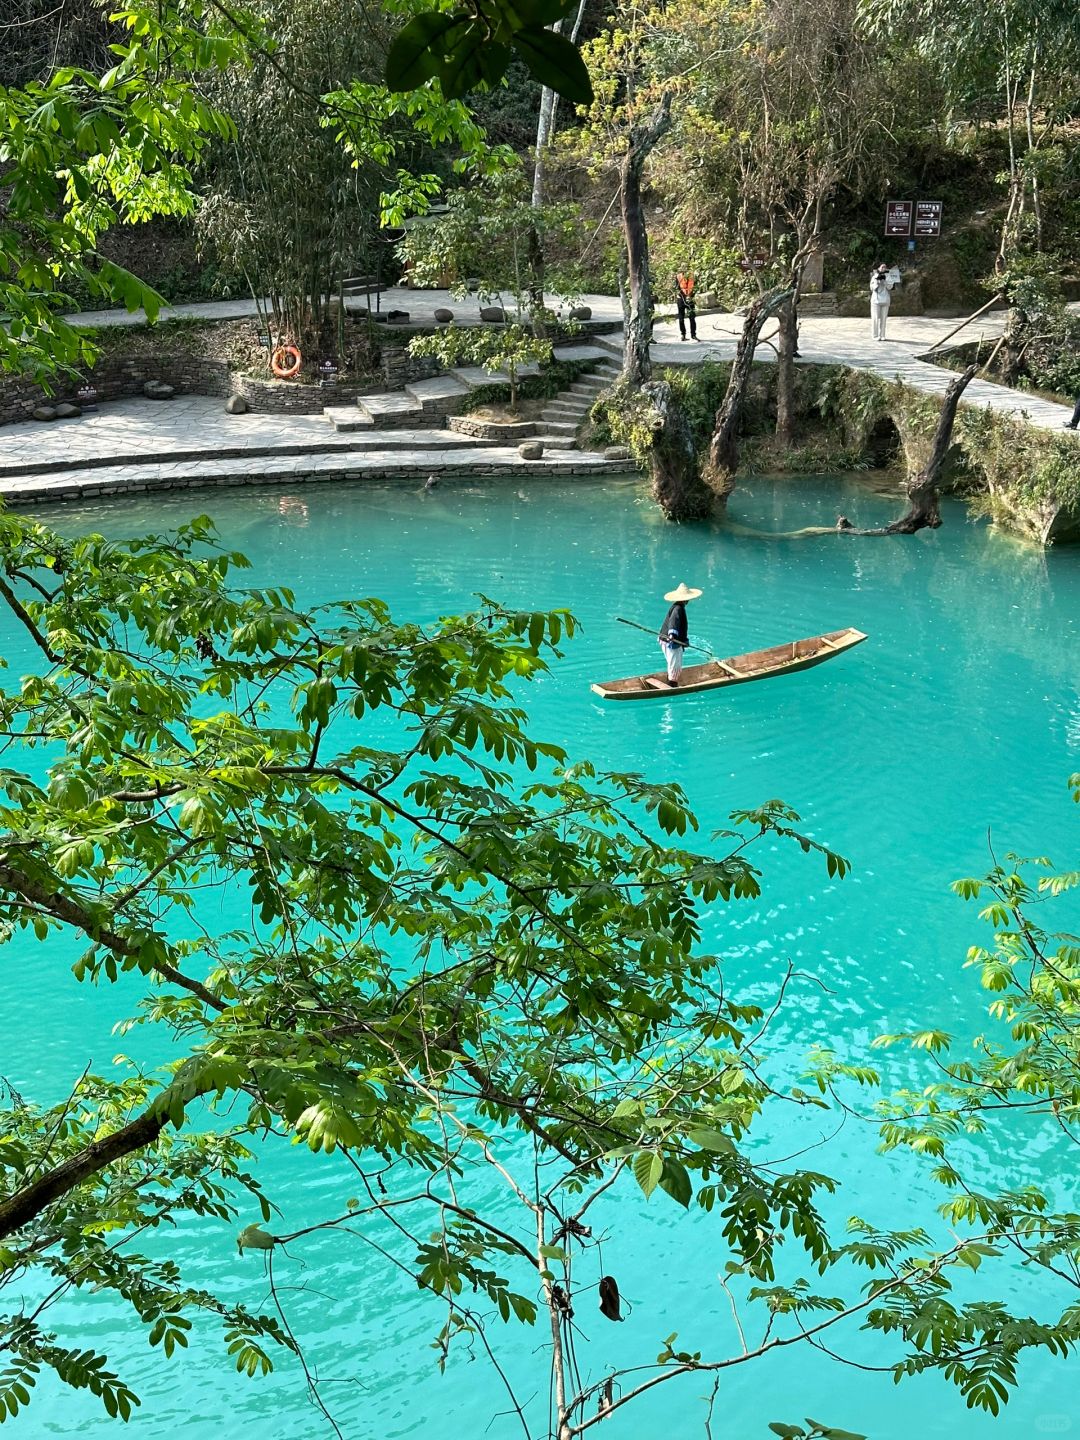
(736, 669)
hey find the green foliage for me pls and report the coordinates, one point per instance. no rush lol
(502, 347)
(468, 49)
(551, 380)
(371, 785)
(488, 241)
(81, 152)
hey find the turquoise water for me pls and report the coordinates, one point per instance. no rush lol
(961, 714)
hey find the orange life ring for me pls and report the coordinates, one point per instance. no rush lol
(278, 360)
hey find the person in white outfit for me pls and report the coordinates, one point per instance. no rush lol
(881, 286)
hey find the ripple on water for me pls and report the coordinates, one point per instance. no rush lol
(961, 712)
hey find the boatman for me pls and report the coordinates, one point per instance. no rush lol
(674, 636)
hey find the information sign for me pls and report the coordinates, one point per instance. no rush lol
(898, 217)
(928, 217)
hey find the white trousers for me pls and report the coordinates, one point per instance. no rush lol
(878, 316)
(673, 655)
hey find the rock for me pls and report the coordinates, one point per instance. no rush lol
(236, 405)
(44, 412)
(531, 450)
(493, 314)
(581, 312)
(66, 411)
(443, 316)
(158, 390)
(397, 317)
(616, 452)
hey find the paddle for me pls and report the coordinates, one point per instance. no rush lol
(650, 631)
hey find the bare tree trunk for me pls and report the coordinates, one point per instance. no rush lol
(924, 501)
(719, 469)
(545, 128)
(677, 486)
(637, 364)
(787, 344)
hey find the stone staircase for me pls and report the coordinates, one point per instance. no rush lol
(426, 404)
(561, 418)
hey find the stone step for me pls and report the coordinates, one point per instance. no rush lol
(441, 395)
(395, 411)
(557, 442)
(579, 352)
(579, 404)
(557, 427)
(474, 376)
(587, 386)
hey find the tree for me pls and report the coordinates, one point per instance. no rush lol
(1016, 1089)
(200, 737)
(325, 156)
(81, 152)
(1028, 51)
(487, 241)
(629, 116)
(469, 48)
(503, 348)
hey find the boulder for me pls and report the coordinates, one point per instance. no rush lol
(616, 452)
(44, 412)
(397, 317)
(493, 314)
(66, 411)
(443, 316)
(531, 450)
(158, 390)
(236, 405)
(581, 312)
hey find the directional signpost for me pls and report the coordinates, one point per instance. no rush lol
(898, 217)
(928, 217)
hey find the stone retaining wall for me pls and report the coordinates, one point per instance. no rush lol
(399, 368)
(510, 432)
(123, 377)
(414, 474)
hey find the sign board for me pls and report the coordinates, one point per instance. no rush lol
(898, 217)
(928, 217)
(753, 262)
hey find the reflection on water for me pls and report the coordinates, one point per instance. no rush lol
(962, 711)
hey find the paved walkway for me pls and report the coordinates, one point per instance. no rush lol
(421, 305)
(829, 340)
(142, 444)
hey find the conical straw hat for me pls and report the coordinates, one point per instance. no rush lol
(683, 592)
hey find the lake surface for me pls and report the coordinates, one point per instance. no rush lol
(959, 716)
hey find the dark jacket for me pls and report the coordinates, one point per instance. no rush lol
(675, 619)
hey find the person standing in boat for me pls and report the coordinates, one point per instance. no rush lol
(674, 636)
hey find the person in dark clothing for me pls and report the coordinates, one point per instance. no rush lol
(674, 635)
(684, 304)
(1075, 421)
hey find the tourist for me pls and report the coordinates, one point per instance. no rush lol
(1075, 421)
(881, 286)
(684, 304)
(674, 636)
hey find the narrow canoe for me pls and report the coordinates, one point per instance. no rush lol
(736, 669)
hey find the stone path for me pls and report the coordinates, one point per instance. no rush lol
(421, 305)
(190, 441)
(828, 340)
